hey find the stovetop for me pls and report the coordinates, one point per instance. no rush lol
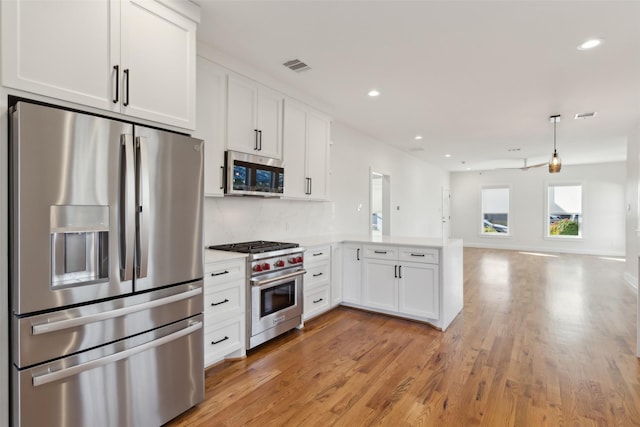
(254, 247)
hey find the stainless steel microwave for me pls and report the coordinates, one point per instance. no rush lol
(250, 175)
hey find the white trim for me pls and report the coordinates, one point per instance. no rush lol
(481, 216)
(186, 8)
(545, 249)
(545, 216)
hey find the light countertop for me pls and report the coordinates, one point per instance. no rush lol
(310, 241)
(211, 255)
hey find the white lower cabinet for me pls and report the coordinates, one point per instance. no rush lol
(317, 281)
(224, 310)
(380, 284)
(401, 280)
(418, 290)
(336, 274)
(352, 273)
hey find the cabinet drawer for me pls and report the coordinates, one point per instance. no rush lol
(222, 301)
(423, 255)
(223, 272)
(316, 301)
(317, 254)
(221, 340)
(381, 252)
(316, 274)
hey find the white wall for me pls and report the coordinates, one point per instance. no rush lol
(632, 225)
(603, 203)
(633, 220)
(415, 188)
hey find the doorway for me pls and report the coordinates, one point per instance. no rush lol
(380, 218)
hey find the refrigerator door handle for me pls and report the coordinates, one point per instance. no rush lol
(142, 234)
(59, 325)
(127, 201)
(77, 369)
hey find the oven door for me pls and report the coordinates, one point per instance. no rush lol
(276, 302)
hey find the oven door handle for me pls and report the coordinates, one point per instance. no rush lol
(105, 315)
(77, 369)
(260, 282)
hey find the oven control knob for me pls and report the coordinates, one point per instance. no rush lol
(266, 266)
(279, 263)
(299, 259)
(292, 260)
(257, 267)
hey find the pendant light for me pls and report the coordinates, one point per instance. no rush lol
(555, 163)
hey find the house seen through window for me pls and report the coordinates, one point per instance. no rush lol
(495, 210)
(564, 210)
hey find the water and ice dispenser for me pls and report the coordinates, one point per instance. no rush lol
(79, 245)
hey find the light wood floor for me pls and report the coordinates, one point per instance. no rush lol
(542, 341)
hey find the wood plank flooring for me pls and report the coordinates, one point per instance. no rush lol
(542, 341)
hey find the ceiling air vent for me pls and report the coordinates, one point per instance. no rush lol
(582, 116)
(296, 65)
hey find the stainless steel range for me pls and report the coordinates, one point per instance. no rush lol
(274, 287)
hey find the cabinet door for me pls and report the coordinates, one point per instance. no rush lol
(352, 273)
(294, 155)
(210, 124)
(318, 155)
(159, 52)
(419, 290)
(336, 274)
(380, 284)
(62, 49)
(270, 123)
(242, 98)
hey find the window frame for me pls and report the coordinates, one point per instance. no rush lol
(481, 216)
(581, 223)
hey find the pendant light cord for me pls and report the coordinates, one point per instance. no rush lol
(555, 121)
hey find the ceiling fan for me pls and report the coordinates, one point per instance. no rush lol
(526, 167)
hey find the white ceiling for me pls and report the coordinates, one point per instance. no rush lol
(474, 78)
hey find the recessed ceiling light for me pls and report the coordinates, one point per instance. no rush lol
(447, 155)
(590, 44)
(418, 137)
(374, 93)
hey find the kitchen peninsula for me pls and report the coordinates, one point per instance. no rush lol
(411, 277)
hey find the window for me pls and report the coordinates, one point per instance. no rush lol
(564, 210)
(495, 211)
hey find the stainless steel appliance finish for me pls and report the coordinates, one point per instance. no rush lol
(106, 270)
(251, 175)
(274, 288)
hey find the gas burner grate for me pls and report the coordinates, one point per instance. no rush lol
(254, 247)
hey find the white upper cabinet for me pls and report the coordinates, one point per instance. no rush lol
(307, 136)
(254, 118)
(130, 57)
(210, 124)
(159, 58)
(62, 49)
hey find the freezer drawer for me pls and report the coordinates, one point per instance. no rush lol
(141, 381)
(44, 337)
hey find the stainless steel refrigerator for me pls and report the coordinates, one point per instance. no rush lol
(105, 270)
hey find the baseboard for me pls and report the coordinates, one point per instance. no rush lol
(543, 249)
